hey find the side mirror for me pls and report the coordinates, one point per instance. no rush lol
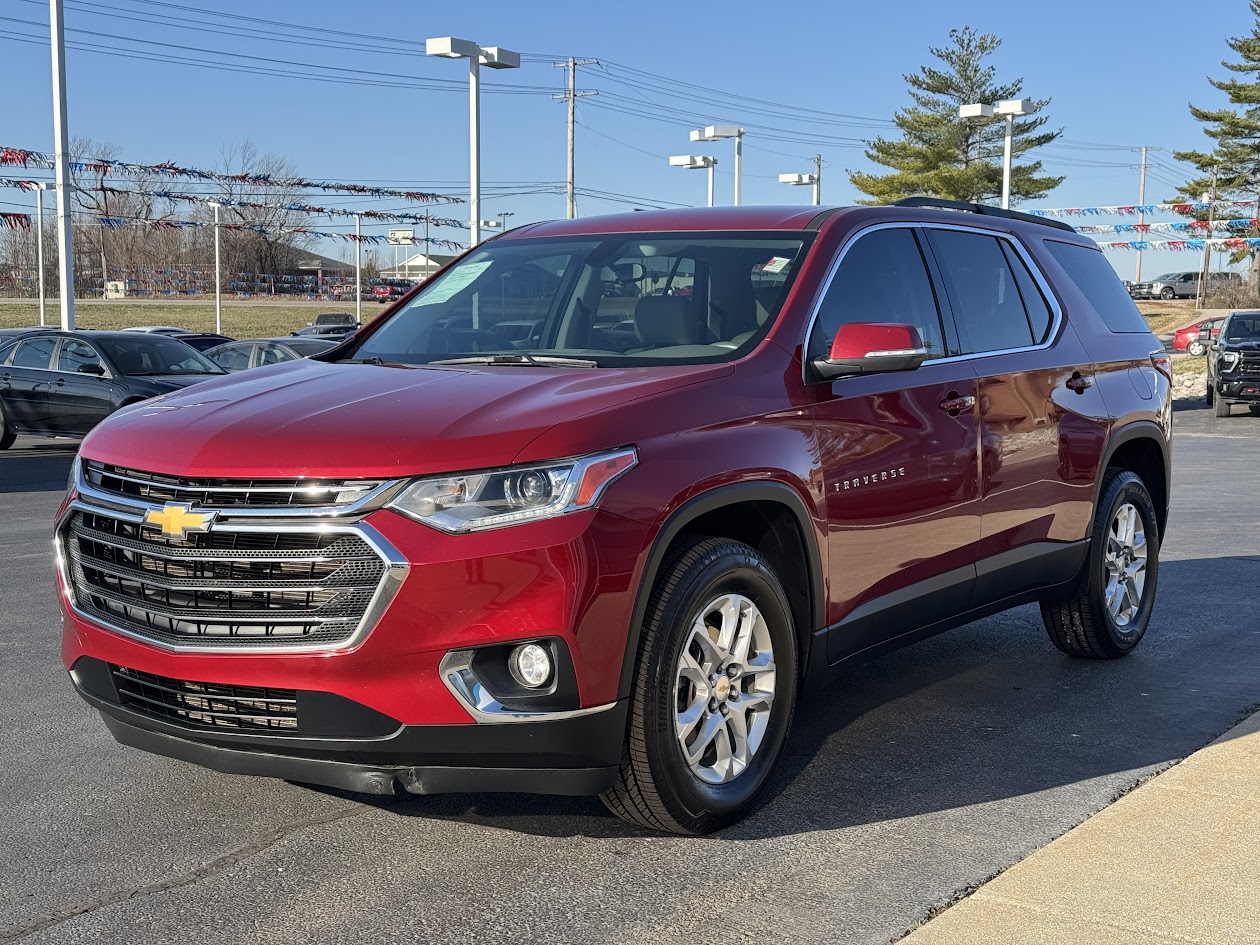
(872, 348)
(1205, 334)
(94, 369)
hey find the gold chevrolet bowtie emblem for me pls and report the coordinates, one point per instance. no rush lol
(178, 521)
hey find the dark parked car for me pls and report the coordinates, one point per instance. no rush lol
(203, 340)
(610, 562)
(1234, 363)
(64, 383)
(259, 352)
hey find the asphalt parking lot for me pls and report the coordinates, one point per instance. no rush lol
(910, 780)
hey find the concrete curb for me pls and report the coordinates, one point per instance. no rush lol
(1173, 861)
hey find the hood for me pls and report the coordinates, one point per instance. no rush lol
(1248, 345)
(310, 418)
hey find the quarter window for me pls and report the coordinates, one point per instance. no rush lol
(1100, 285)
(987, 304)
(35, 353)
(882, 278)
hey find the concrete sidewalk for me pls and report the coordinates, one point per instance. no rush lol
(1177, 860)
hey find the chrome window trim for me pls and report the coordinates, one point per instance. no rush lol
(137, 507)
(396, 570)
(1019, 249)
(456, 672)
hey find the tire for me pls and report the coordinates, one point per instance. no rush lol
(1210, 394)
(1220, 408)
(7, 436)
(657, 787)
(1195, 348)
(1167, 293)
(1085, 625)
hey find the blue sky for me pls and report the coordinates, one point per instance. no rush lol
(1119, 74)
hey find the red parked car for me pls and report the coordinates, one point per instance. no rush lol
(610, 562)
(1187, 339)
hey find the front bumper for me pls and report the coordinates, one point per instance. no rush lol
(1239, 390)
(574, 755)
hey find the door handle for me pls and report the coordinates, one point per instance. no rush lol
(1079, 382)
(954, 403)
(60, 382)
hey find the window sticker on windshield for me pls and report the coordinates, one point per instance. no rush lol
(775, 264)
(453, 282)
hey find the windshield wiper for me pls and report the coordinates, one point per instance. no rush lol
(378, 362)
(529, 360)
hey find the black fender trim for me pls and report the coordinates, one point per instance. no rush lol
(692, 509)
(1138, 430)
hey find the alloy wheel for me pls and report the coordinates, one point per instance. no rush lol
(1125, 561)
(725, 687)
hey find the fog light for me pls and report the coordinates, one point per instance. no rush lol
(530, 665)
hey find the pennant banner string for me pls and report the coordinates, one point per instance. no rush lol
(22, 157)
(116, 223)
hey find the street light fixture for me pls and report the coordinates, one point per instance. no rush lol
(503, 218)
(492, 57)
(695, 163)
(1009, 109)
(799, 180)
(721, 133)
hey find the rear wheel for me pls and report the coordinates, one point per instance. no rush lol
(1110, 617)
(714, 691)
(1210, 393)
(7, 436)
(1195, 348)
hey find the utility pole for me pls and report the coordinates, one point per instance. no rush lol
(1137, 272)
(817, 180)
(571, 96)
(218, 273)
(65, 264)
(358, 270)
(1207, 247)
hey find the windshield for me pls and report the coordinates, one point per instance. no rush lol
(623, 300)
(1168, 277)
(308, 346)
(150, 354)
(1243, 328)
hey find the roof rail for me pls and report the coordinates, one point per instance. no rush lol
(983, 209)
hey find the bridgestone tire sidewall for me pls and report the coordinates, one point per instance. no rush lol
(727, 574)
(1133, 492)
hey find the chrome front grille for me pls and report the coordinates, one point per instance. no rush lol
(245, 585)
(226, 493)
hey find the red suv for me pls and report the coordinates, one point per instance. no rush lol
(611, 561)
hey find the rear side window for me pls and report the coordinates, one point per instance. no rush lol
(35, 353)
(1036, 308)
(1099, 283)
(988, 304)
(882, 278)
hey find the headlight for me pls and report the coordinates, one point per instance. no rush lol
(496, 497)
(1229, 360)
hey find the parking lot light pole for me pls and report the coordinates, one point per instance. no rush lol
(65, 252)
(218, 280)
(696, 162)
(493, 57)
(358, 271)
(721, 133)
(1009, 109)
(39, 251)
(814, 179)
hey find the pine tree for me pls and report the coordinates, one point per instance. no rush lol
(1236, 131)
(942, 155)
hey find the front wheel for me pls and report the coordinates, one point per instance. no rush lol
(714, 691)
(1220, 408)
(1109, 619)
(1167, 293)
